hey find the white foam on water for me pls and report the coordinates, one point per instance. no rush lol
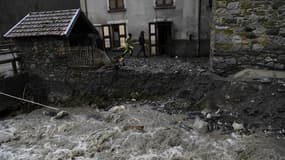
(81, 138)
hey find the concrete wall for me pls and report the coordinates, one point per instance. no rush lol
(248, 34)
(139, 13)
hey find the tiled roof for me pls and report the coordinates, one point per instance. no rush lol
(48, 23)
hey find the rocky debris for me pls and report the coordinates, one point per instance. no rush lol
(195, 114)
(200, 125)
(128, 128)
(60, 115)
(265, 80)
(117, 109)
(132, 127)
(50, 113)
(245, 107)
(237, 126)
(167, 65)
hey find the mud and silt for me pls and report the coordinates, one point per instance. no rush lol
(195, 119)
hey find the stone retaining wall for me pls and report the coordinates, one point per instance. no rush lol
(248, 34)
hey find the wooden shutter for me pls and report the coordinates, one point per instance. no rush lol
(122, 34)
(169, 2)
(112, 4)
(116, 4)
(106, 36)
(159, 2)
(120, 4)
(164, 3)
(152, 38)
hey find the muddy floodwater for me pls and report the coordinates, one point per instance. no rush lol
(131, 131)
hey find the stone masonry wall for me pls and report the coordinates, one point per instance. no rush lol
(248, 34)
(47, 62)
(44, 57)
(62, 82)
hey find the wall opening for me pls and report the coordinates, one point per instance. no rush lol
(164, 37)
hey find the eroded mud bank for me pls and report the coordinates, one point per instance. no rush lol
(166, 109)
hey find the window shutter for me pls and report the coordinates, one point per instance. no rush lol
(106, 36)
(169, 2)
(122, 32)
(120, 4)
(164, 2)
(116, 4)
(152, 38)
(159, 2)
(112, 4)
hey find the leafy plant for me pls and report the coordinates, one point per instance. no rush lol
(128, 48)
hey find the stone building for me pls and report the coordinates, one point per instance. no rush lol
(172, 27)
(12, 11)
(47, 39)
(248, 34)
(52, 31)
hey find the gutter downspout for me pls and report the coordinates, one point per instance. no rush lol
(199, 30)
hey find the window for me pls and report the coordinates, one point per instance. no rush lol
(164, 3)
(107, 36)
(114, 35)
(116, 5)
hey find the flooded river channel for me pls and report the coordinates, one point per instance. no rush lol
(131, 131)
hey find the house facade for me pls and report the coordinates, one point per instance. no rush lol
(172, 27)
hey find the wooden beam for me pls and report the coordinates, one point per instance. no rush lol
(29, 101)
(8, 52)
(7, 45)
(9, 60)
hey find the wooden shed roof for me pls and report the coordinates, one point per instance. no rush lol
(48, 23)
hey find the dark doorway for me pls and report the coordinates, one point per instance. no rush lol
(116, 35)
(164, 37)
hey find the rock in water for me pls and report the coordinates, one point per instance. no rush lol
(117, 109)
(60, 115)
(237, 126)
(200, 125)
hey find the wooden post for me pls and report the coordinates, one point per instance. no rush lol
(14, 65)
